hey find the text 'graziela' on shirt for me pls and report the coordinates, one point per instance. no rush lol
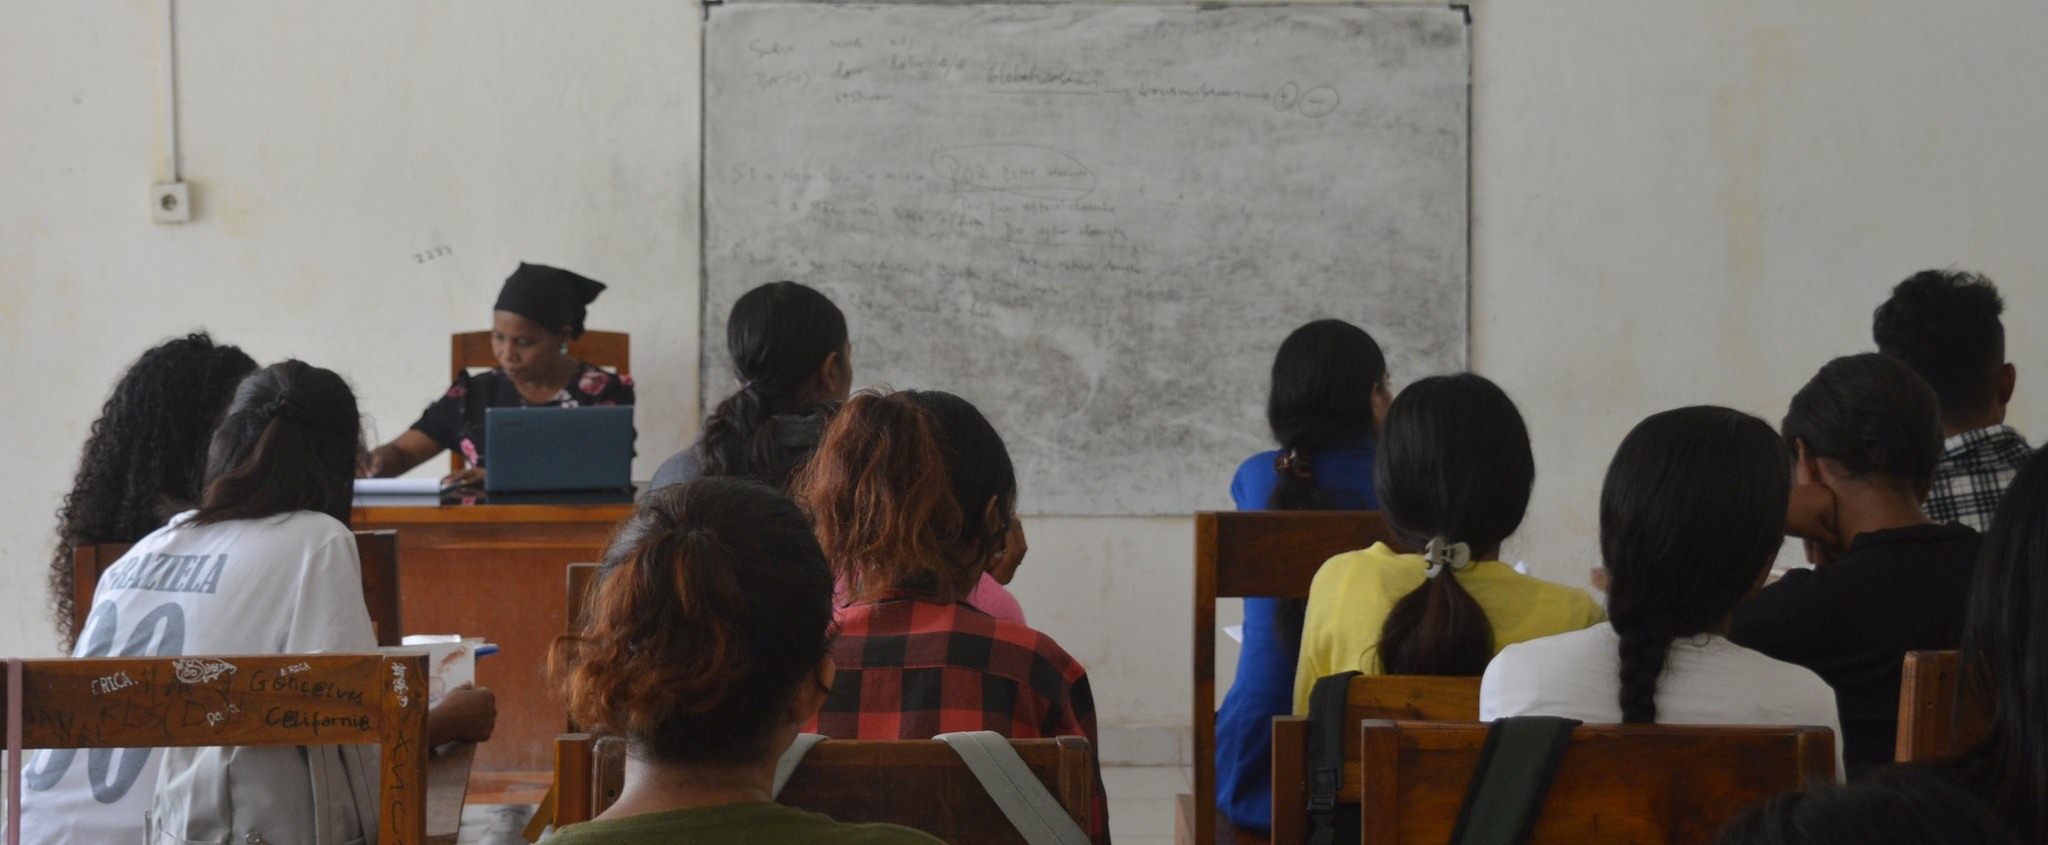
(166, 573)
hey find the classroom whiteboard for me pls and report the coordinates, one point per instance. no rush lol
(1096, 222)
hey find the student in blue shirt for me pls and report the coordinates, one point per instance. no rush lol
(1329, 392)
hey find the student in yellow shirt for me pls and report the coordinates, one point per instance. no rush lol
(1453, 478)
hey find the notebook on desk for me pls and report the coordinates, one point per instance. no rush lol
(536, 450)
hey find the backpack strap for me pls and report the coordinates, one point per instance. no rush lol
(1031, 809)
(786, 766)
(1326, 705)
(1514, 774)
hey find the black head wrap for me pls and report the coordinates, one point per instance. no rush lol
(549, 296)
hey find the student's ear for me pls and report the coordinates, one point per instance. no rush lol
(1382, 398)
(1010, 547)
(2008, 378)
(1806, 466)
(810, 697)
(834, 379)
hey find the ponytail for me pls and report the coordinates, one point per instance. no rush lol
(1454, 475)
(1438, 628)
(898, 490)
(713, 608)
(740, 440)
(779, 335)
(1320, 399)
(288, 442)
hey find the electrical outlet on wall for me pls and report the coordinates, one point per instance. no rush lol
(170, 202)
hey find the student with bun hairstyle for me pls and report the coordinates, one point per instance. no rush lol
(265, 564)
(145, 456)
(1329, 391)
(1691, 517)
(1864, 436)
(913, 498)
(789, 352)
(1453, 479)
(707, 650)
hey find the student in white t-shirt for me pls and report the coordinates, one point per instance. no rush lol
(265, 565)
(1691, 516)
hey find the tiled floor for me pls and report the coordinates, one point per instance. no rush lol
(1140, 806)
(1141, 802)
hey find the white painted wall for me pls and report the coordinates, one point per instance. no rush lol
(1673, 203)
(327, 144)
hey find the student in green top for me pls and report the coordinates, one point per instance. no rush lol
(707, 649)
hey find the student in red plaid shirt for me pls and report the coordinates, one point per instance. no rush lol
(913, 498)
(1944, 324)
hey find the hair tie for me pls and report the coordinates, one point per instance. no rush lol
(1443, 554)
(1293, 462)
(282, 406)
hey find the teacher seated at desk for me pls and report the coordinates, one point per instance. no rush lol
(539, 310)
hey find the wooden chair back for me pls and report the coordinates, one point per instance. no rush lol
(472, 350)
(377, 549)
(1645, 784)
(1939, 715)
(1380, 697)
(158, 702)
(1254, 554)
(581, 577)
(916, 783)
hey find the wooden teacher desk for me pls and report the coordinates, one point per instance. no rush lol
(496, 571)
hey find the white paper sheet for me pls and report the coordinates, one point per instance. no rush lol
(397, 486)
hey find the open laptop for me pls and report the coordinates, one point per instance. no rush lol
(544, 450)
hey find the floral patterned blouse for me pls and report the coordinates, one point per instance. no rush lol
(456, 420)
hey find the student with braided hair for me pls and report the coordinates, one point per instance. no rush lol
(1691, 516)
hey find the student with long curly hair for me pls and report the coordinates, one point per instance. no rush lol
(707, 649)
(914, 499)
(144, 457)
(263, 564)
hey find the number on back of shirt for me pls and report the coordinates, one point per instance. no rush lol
(112, 771)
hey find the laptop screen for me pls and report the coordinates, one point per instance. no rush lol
(549, 449)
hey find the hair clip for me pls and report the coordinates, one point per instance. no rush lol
(1443, 554)
(1293, 462)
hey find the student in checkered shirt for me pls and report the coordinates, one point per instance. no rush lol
(1944, 324)
(913, 498)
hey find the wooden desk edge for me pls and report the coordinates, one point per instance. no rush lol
(447, 791)
(380, 516)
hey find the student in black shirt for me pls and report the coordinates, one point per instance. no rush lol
(1865, 436)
